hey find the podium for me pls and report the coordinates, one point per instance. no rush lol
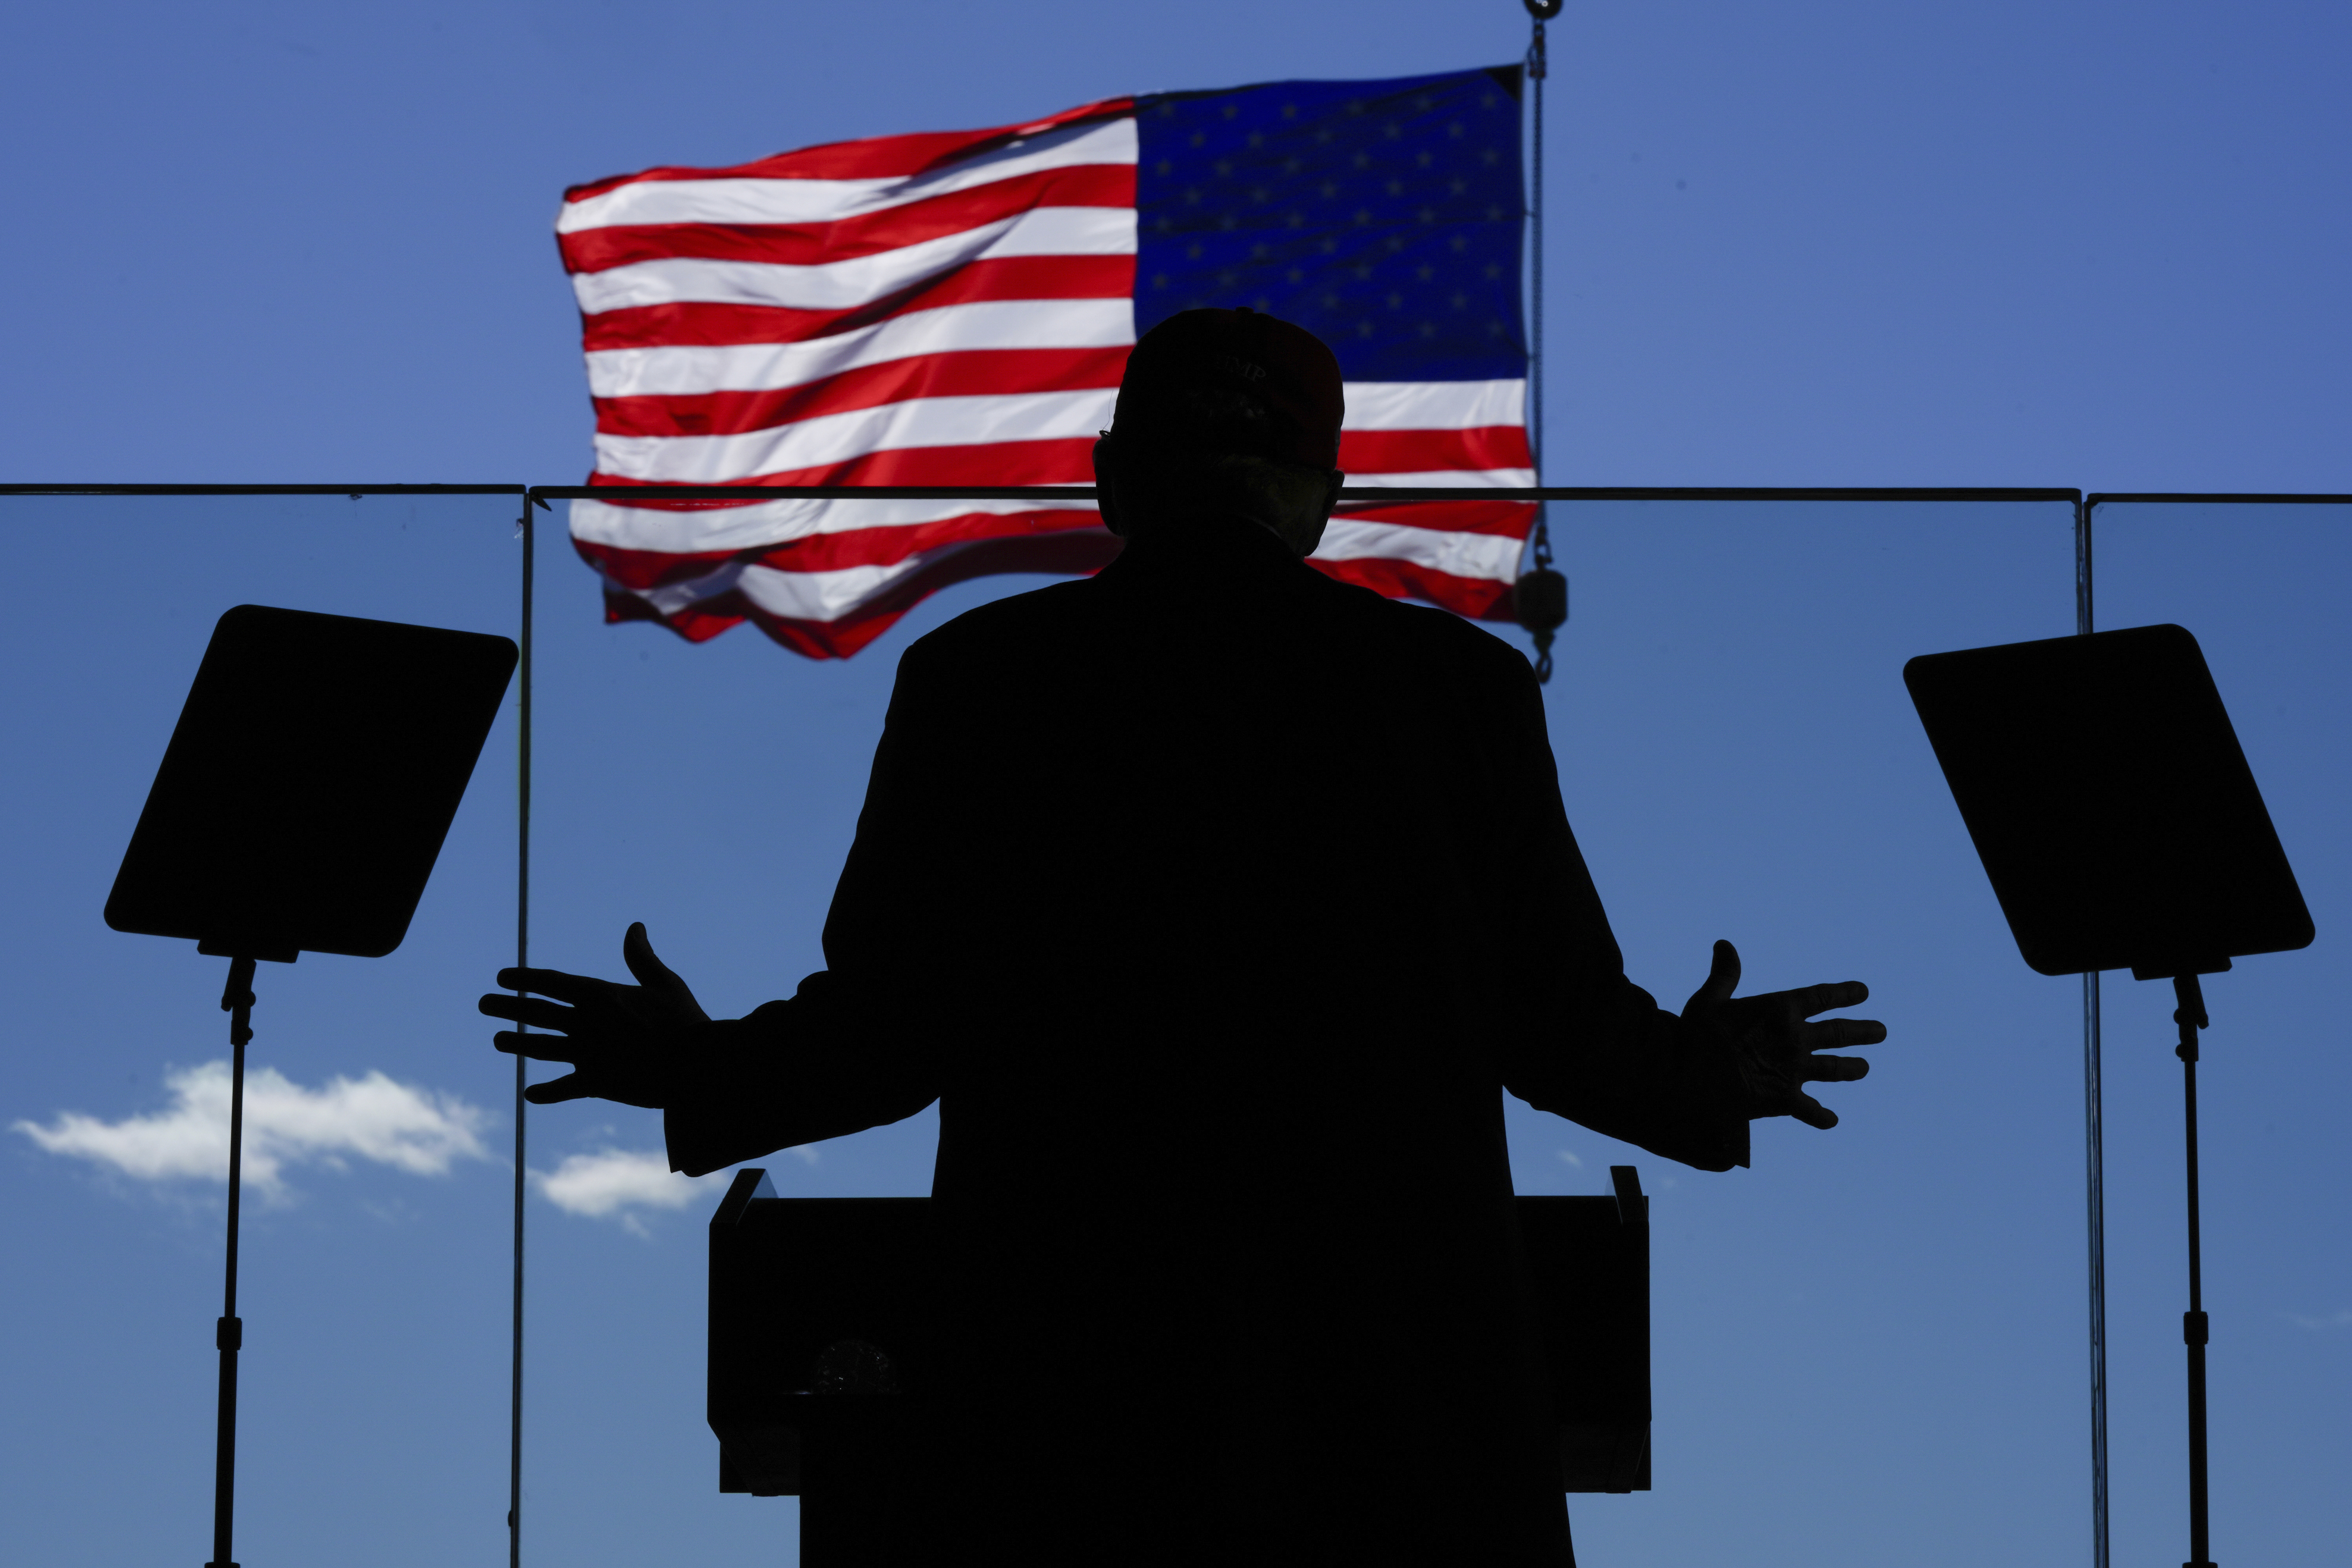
(817, 1350)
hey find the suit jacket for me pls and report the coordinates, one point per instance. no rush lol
(1216, 904)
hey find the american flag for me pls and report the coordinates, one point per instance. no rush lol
(955, 308)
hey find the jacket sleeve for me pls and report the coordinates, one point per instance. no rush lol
(1580, 1039)
(857, 1046)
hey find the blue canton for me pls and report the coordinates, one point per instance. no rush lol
(1383, 216)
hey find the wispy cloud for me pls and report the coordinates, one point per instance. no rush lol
(2332, 1320)
(1570, 1155)
(370, 1118)
(612, 1183)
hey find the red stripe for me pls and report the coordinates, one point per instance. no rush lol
(1064, 554)
(1479, 598)
(1504, 518)
(1065, 460)
(1428, 451)
(1005, 278)
(645, 569)
(807, 244)
(967, 372)
(872, 158)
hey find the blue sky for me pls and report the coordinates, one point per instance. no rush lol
(2066, 244)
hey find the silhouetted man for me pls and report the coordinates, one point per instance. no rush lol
(1215, 902)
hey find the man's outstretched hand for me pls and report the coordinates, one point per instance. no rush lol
(1775, 1045)
(624, 1042)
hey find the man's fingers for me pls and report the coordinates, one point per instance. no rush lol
(1834, 1069)
(537, 1047)
(553, 982)
(1808, 1000)
(555, 1091)
(1813, 1113)
(1837, 1034)
(529, 1010)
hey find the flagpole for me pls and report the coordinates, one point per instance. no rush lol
(2094, 1153)
(522, 960)
(1539, 598)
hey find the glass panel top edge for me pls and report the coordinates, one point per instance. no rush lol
(264, 489)
(2214, 497)
(624, 493)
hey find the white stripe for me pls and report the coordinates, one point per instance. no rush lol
(1434, 405)
(836, 437)
(671, 597)
(771, 367)
(741, 200)
(826, 595)
(1482, 478)
(793, 595)
(840, 285)
(1486, 555)
(767, 524)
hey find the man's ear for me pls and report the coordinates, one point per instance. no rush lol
(1106, 481)
(1331, 492)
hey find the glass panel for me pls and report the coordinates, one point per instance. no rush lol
(2262, 588)
(375, 1257)
(1900, 1301)
(709, 790)
(1740, 759)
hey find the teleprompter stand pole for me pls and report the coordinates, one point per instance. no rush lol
(230, 1333)
(2110, 755)
(308, 788)
(2191, 1016)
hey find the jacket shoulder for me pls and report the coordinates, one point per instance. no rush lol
(1013, 620)
(1423, 630)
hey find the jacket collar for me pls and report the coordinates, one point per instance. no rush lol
(1223, 543)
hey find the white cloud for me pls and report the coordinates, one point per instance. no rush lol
(369, 1118)
(1571, 1157)
(610, 1183)
(2333, 1321)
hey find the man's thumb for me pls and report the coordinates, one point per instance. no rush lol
(1723, 974)
(638, 952)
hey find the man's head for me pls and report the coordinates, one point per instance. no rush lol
(1225, 411)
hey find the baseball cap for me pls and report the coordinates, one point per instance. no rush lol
(1234, 380)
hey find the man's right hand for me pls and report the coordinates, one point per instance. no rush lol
(625, 1043)
(1775, 1045)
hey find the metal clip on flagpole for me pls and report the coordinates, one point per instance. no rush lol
(2121, 828)
(1539, 598)
(301, 803)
